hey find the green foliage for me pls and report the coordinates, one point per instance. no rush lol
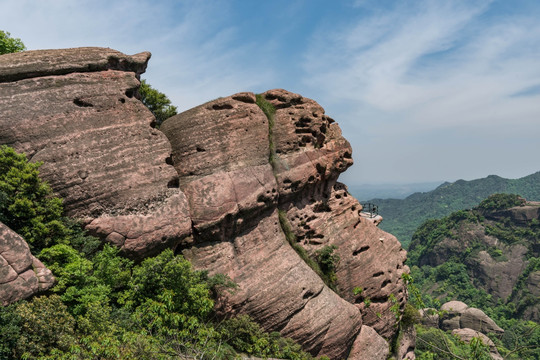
(45, 325)
(357, 290)
(249, 338)
(403, 217)
(500, 201)
(28, 206)
(433, 343)
(157, 102)
(9, 44)
(451, 277)
(270, 111)
(328, 261)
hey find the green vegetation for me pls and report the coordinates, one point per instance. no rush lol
(157, 102)
(104, 305)
(9, 44)
(26, 204)
(270, 111)
(433, 343)
(325, 255)
(500, 201)
(403, 217)
(443, 273)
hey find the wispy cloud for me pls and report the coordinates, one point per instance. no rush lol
(431, 70)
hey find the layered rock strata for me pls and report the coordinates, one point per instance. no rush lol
(211, 186)
(76, 112)
(310, 155)
(21, 274)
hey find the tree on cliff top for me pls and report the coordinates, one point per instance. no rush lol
(157, 102)
(9, 44)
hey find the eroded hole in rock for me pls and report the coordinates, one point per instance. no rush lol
(222, 107)
(200, 149)
(347, 155)
(385, 282)
(320, 169)
(378, 274)
(81, 103)
(353, 208)
(308, 294)
(169, 160)
(322, 207)
(311, 178)
(361, 250)
(174, 183)
(130, 93)
(287, 181)
(122, 100)
(338, 196)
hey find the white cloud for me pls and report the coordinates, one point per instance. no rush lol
(425, 75)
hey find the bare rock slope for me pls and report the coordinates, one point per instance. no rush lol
(218, 183)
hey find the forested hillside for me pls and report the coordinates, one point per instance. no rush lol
(403, 217)
(488, 258)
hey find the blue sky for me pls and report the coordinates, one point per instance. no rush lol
(423, 90)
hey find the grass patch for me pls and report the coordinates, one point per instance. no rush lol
(270, 111)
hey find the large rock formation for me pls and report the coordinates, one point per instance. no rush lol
(76, 111)
(458, 315)
(21, 274)
(210, 186)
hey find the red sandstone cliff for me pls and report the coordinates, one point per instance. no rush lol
(204, 185)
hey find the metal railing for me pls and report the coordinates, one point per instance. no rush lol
(371, 209)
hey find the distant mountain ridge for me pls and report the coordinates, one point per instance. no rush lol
(403, 216)
(390, 191)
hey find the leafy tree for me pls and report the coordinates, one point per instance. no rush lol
(27, 205)
(9, 44)
(500, 201)
(157, 102)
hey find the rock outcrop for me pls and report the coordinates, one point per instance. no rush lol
(458, 315)
(216, 183)
(21, 274)
(496, 247)
(369, 346)
(76, 112)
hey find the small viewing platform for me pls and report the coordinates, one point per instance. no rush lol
(370, 212)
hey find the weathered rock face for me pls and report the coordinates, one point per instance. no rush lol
(310, 155)
(459, 316)
(76, 111)
(369, 346)
(205, 186)
(21, 274)
(233, 196)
